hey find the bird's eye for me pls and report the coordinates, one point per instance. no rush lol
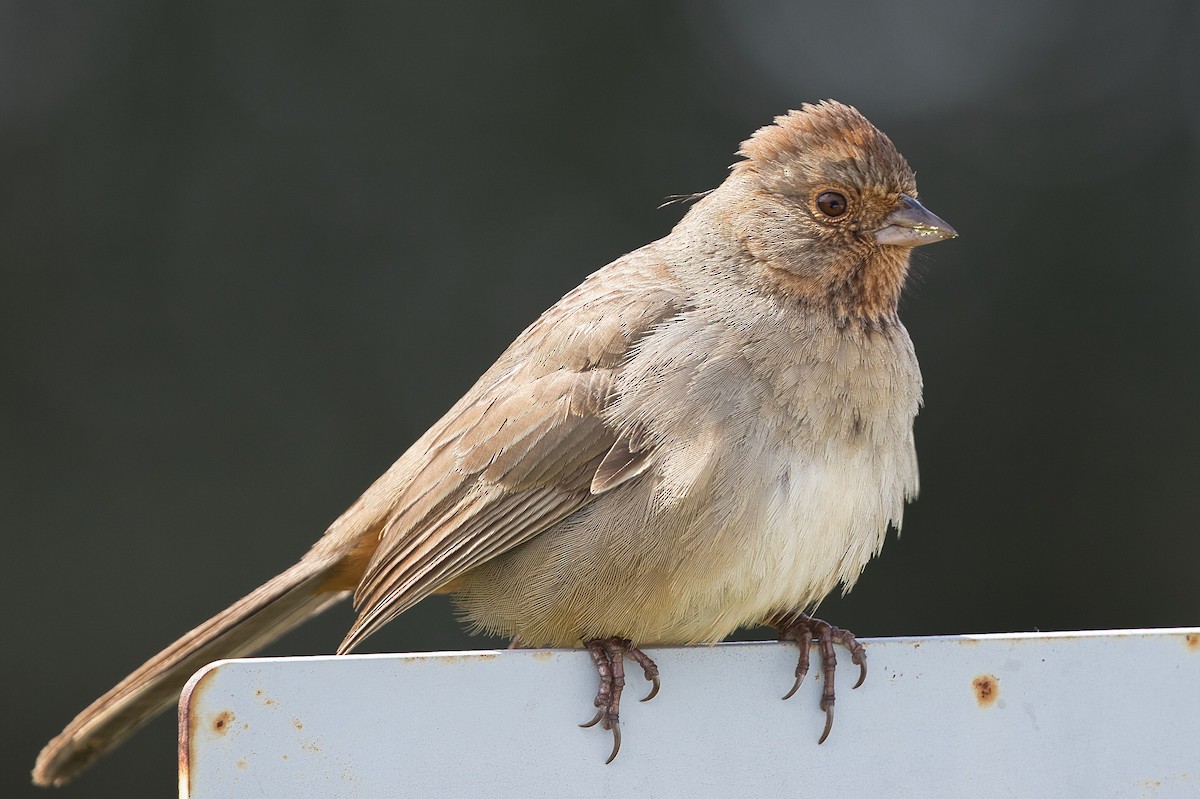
(832, 203)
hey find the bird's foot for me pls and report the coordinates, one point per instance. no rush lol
(804, 629)
(609, 656)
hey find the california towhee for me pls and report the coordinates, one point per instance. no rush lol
(710, 432)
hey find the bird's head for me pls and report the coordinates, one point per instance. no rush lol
(826, 207)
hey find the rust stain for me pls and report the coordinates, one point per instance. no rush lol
(542, 655)
(987, 689)
(220, 724)
(285, 757)
(189, 727)
(241, 762)
(298, 724)
(1193, 642)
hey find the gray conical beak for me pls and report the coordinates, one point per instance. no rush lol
(912, 225)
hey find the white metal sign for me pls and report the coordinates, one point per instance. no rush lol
(1109, 714)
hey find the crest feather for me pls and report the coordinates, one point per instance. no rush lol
(825, 132)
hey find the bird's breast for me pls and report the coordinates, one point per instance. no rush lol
(811, 462)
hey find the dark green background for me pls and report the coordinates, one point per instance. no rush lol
(248, 255)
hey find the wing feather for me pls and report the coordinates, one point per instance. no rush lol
(520, 452)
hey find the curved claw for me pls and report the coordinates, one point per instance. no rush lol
(862, 673)
(804, 630)
(608, 655)
(828, 725)
(599, 715)
(616, 731)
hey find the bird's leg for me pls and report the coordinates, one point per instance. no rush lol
(804, 629)
(609, 656)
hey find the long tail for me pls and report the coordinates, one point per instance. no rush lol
(250, 623)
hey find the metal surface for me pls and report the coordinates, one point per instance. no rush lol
(1106, 714)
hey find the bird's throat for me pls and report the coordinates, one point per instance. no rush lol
(861, 292)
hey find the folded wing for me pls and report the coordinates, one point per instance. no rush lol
(521, 451)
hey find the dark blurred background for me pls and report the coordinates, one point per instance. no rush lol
(249, 254)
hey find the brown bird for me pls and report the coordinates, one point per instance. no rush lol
(711, 432)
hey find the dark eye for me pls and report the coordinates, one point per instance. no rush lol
(832, 203)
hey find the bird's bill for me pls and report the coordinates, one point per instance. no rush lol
(912, 225)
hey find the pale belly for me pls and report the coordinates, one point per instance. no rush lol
(776, 533)
(815, 525)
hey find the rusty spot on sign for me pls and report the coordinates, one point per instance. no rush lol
(220, 724)
(987, 689)
(1193, 641)
(263, 698)
(298, 724)
(241, 762)
(189, 725)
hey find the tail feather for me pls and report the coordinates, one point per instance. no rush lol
(249, 624)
